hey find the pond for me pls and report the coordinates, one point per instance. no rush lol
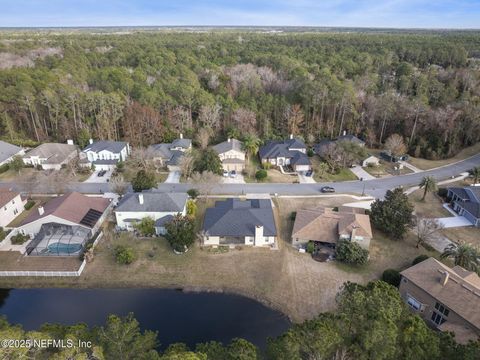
(178, 316)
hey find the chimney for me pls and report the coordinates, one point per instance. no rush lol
(181, 136)
(445, 277)
(41, 210)
(344, 132)
(140, 199)
(69, 142)
(90, 141)
(291, 136)
(229, 139)
(258, 232)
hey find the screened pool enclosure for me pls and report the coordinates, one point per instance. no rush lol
(59, 240)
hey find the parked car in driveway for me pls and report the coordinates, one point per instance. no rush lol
(225, 173)
(327, 189)
(101, 173)
(233, 174)
(309, 173)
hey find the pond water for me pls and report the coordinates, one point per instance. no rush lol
(177, 316)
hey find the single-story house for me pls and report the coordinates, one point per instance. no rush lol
(466, 202)
(231, 154)
(324, 225)
(161, 207)
(73, 209)
(105, 154)
(240, 222)
(447, 298)
(170, 154)
(351, 138)
(324, 145)
(386, 155)
(370, 160)
(11, 205)
(51, 156)
(286, 152)
(8, 151)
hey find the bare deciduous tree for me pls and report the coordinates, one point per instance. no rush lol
(426, 229)
(245, 121)
(205, 182)
(203, 137)
(187, 164)
(119, 185)
(395, 145)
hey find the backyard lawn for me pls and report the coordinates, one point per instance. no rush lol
(425, 164)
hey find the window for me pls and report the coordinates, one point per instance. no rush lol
(437, 318)
(442, 309)
(414, 304)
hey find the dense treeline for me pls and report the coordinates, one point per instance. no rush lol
(371, 323)
(148, 86)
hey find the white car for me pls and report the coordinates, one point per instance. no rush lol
(225, 173)
(233, 174)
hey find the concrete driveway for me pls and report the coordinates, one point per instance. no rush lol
(306, 179)
(239, 179)
(94, 178)
(454, 221)
(173, 177)
(361, 173)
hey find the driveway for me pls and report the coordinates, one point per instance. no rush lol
(306, 179)
(361, 173)
(236, 180)
(411, 167)
(454, 221)
(173, 177)
(94, 178)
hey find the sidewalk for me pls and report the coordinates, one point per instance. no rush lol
(411, 167)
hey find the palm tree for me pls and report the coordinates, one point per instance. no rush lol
(251, 144)
(475, 172)
(463, 255)
(428, 184)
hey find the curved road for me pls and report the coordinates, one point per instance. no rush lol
(374, 187)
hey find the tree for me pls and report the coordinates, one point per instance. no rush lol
(395, 145)
(245, 121)
(124, 255)
(261, 175)
(251, 145)
(146, 226)
(393, 215)
(475, 173)
(191, 208)
(16, 164)
(426, 230)
(187, 165)
(203, 137)
(180, 232)
(351, 252)
(419, 259)
(464, 255)
(205, 182)
(392, 277)
(208, 160)
(143, 181)
(428, 184)
(119, 185)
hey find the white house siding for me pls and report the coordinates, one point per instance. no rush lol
(33, 160)
(121, 216)
(232, 154)
(249, 240)
(34, 227)
(108, 155)
(302, 168)
(11, 210)
(211, 240)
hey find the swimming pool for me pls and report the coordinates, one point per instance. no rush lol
(60, 248)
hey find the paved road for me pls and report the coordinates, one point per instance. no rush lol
(376, 187)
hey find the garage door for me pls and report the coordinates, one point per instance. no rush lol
(302, 167)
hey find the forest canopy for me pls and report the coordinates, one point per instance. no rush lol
(146, 87)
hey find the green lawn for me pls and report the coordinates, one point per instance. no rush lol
(344, 174)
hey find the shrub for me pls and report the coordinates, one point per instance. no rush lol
(419, 259)
(310, 152)
(29, 204)
(191, 208)
(442, 192)
(4, 168)
(261, 174)
(19, 239)
(193, 193)
(392, 277)
(310, 247)
(124, 255)
(2, 233)
(146, 226)
(267, 165)
(293, 215)
(351, 252)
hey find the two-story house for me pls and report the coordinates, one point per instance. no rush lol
(11, 205)
(105, 154)
(231, 154)
(447, 298)
(291, 152)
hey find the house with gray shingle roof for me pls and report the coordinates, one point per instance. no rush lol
(8, 151)
(51, 156)
(286, 152)
(240, 222)
(231, 154)
(105, 154)
(161, 207)
(466, 202)
(170, 154)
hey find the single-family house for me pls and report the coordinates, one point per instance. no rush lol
(105, 154)
(51, 156)
(351, 138)
(326, 226)
(240, 222)
(170, 154)
(291, 152)
(370, 160)
(161, 207)
(11, 205)
(447, 298)
(8, 151)
(325, 145)
(231, 154)
(466, 202)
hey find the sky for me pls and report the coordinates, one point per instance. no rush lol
(348, 13)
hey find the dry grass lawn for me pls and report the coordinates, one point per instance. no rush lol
(431, 207)
(425, 164)
(285, 279)
(469, 235)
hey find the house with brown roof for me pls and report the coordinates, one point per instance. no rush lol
(72, 209)
(11, 205)
(326, 226)
(448, 299)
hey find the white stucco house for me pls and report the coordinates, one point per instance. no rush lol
(231, 154)
(161, 207)
(240, 222)
(291, 152)
(11, 205)
(51, 156)
(8, 151)
(105, 154)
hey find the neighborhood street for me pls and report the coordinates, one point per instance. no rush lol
(374, 187)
